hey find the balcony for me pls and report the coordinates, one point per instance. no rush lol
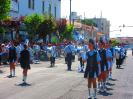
(14, 6)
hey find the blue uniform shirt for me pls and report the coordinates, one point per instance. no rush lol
(69, 48)
(98, 59)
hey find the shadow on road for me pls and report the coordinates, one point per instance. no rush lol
(1, 71)
(105, 93)
(109, 84)
(113, 79)
(109, 89)
(23, 85)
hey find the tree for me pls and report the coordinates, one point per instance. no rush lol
(68, 33)
(88, 22)
(32, 23)
(47, 27)
(61, 26)
(4, 8)
(114, 42)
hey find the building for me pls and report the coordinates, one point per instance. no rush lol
(86, 31)
(103, 25)
(27, 7)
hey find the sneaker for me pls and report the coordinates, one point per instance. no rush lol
(89, 97)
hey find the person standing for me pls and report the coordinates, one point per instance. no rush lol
(92, 68)
(12, 59)
(132, 51)
(25, 62)
(68, 50)
(0, 54)
(104, 66)
(53, 56)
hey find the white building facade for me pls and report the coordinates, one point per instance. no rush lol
(103, 25)
(27, 7)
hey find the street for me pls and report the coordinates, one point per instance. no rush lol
(58, 83)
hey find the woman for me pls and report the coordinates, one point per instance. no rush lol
(92, 68)
(12, 59)
(104, 66)
(25, 62)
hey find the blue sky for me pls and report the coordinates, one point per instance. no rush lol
(117, 11)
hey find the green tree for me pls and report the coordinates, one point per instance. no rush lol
(68, 33)
(61, 26)
(114, 42)
(32, 23)
(2, 30)
(47, 27)
(4, 8)
(88, 22)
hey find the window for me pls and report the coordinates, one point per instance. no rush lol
(43, 6)
(49, 9)
(15, 0)
(55, 11)
(31, 4)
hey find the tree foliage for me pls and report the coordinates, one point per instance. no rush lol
(4, 8)
(61, 26)
(88, 22)
(47, 27)
(114, 42)
(32, 23)
(68, 33)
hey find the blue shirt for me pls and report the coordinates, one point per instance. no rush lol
(69, 48)
(53, 51)
(92, 53)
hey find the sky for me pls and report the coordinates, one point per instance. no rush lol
(119, 12)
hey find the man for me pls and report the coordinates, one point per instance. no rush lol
(53, 55)
(68, 50)
(12, 59)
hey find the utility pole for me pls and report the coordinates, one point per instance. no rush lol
(70, 11)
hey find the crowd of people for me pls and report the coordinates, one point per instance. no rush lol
(95, 59)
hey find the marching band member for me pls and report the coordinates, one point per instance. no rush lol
(109, 59)
(53, 55)
(113, 53)
(104, 66)
(25, 62)
(82, 55)
(12, 59)
(68, 50)
(92, 68)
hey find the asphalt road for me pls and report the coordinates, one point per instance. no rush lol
(58, 83)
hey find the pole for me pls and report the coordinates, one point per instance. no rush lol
(70, 11)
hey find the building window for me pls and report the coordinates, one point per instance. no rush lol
(49, 9)
(31, 4)
(55, 10)
(15, 0)
(43, 6)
